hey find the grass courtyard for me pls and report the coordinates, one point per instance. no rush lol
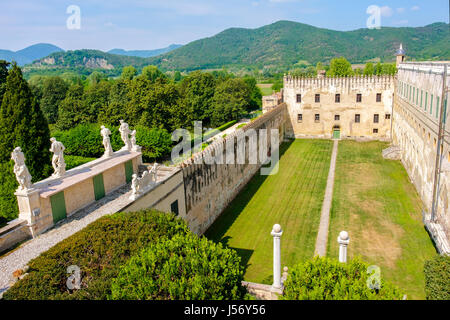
(376, 203)
(292, 198)
(373, 200)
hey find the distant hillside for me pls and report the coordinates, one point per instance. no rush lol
(286, 43)
(145, 53)
(282, 45)
(29, 54)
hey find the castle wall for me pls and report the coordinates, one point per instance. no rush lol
(346, 109)
(415, 131)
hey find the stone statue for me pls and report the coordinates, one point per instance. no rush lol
(124, 130)
(58, 163)
(23, 176)
(134, 146)
(135, 184)
(154, 172)
(105, 132)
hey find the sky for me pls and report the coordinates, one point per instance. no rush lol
(153, 24)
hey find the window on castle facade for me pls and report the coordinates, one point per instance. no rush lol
(417, 97)
(359, 97)
(317, 118)
(426, 101)
(378, 97)
(337, 117)
(376, 118)
(337, 98)
(300, 117)
(421, 99)
(299, 98)
(317, 98)
(357, 118)
(388, 116)
(431, 104)
(437, 107)
(375, 131)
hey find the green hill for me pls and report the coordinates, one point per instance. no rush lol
(280, 45)
(285, 43)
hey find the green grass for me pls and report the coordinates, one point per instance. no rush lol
(376, 203)
(292, 198)
(266, 88)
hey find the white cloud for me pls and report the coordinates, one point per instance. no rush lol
(386, 11)
(400, 10)
(415, 8)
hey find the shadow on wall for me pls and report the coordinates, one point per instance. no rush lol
(220, 227)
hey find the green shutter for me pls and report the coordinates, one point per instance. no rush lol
(129, 170)
(58, 204)
(437, 107)
(99, 187)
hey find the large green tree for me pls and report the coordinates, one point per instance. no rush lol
(340, 67)
(369, 69)
(71, 110)
(22, 124)
(3, 74)
(54, 91)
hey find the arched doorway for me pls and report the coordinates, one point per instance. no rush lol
(336, 132)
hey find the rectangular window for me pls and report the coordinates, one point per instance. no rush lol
(300, 117)
(421, 99)
(431, 104)
(437, 107)
(357, 118)
(174, 207)
(317, 98)
(359, 97)
(378, 97)
(388, 116)
(376, 118)
(426, 101)
(337, 117)
(375, 130)
(299, 98)
(317, 117)
(337, 98)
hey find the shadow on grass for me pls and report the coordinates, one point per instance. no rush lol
(220, 227)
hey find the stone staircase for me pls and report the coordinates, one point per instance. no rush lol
(392, 153)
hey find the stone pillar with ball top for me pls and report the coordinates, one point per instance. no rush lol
(343, 241)
(276, 233)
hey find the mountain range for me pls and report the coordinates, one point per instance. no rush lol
(29, 54)
(280, 45)
(145, 53)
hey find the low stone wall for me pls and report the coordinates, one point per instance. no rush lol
(13, 233)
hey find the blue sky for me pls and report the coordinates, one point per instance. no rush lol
(151, 24)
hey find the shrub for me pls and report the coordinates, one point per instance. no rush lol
(437, 278)
(183, 268)
(328, 279)
(9, 209)
(75, 161)
(98, 250)
(85, 141)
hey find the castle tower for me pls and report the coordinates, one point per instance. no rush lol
(400, 55)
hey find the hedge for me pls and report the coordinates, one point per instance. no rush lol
(75, 161)
(437, 278)
(185, 267)
(328, 279)
(98, 250)
(85, 141)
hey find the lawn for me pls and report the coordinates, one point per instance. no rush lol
(376, 203)
(266, 88)
(292, 198)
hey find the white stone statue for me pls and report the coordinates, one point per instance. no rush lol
(58, 163)
(154, 172)
(140, 185)
(23, 176)
(134, 146)
(124, 130)
(105, 132)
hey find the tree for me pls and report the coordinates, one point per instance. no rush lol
(151, 73)
(96, 77)
(184, 267)
(379, 69)
(3, 75)
(369, 70)
(128, 73)
(231, 100)
(255, 93)
(22, 124)
(340, 67)
(177, 76)
(54, 91)
(71, 110)
(118, 99)
(328, 279)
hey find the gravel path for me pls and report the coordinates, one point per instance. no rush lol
(18, 258)
(322, 236)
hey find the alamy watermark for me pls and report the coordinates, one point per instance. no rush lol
(374, 280)
(256, 147)
(74, 280)
(73, 22)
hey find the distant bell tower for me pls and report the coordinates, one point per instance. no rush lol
(400, 55)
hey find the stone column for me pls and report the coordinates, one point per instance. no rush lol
(343, 241)
(276, 234)
(29, 208)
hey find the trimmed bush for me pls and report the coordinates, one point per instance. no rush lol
(437, 278)
(98, 250)
(328, 279)
(183, 268)
(75, 161)
(85, 141)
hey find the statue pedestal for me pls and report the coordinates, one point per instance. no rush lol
(29, 207)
